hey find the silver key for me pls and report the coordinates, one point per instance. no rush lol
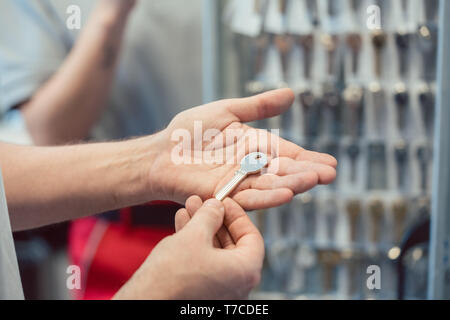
(251, 164)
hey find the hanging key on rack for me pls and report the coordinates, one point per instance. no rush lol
(403, 42)
(255, 60)
(283, 42)
(377, 179)
(306, 42)
(329, 260)
(353, 97)
(332, 103)
(401, 97)
(330, 42)
(423, 207)
(401, 153)
(427, 105)
(353, 152)
(379, 106)
(376, 214)
(354, 42)
(311, 113)
(427, 40)
(351, 262)
(424, 156)
(354, 210)
(399, 211)
(284, 45)
(379, 40)
(251, 45)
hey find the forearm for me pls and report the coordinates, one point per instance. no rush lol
(70, 103)
(55, 184)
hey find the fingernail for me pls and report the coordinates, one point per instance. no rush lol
(214, 203)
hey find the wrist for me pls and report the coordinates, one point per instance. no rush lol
(110, 15)
(138, 157)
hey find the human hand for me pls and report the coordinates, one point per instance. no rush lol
(115, 10)
(122, 5)
(192, 264)
(292, 169)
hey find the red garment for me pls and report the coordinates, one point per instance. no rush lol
(110, 252)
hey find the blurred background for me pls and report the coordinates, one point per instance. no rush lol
(368, 92)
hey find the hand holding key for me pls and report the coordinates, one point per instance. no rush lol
(251, 164)
(216, 253)
(291, 169)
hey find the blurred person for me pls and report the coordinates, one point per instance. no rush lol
(45, 185)
(125, 73)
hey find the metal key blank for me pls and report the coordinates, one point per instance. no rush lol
(379, 39)
(403, 40)
(311, 113)
(307, 43)
(427, 40)
(354, 99)
(424, 155)
(331, 43)
(354, 209)
(402, 101)
(355, 42)
(251, 164)
(401, 152)
(377, 176)
(379, 103)
(427, 103)
(353, 152)
(400, 211)
(376, 212)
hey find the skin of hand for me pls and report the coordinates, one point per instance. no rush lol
(66, 107)
(192, 265)
(292, 170)
(46, 185)
(119, 6)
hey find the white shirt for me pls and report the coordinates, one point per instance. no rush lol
(10, 284)
(158, 76)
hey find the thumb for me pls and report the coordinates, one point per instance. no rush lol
(209, 218)
(262, 106)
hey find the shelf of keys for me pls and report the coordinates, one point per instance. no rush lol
(364, 72)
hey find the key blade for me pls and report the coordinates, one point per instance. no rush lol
(230, 186)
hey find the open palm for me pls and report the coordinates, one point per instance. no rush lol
(204, 147)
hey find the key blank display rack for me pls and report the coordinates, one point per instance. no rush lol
(371, 88)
